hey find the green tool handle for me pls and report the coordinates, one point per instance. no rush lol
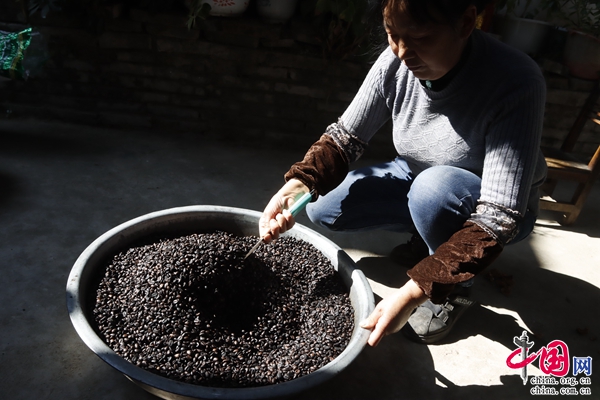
(301, 203)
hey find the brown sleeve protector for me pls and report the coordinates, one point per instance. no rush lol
(323, 168)
(464, 255)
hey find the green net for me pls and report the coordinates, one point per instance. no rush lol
(12, 51)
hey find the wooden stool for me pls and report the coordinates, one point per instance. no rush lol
(563, 165)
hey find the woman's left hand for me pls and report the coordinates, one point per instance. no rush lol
(393, 312)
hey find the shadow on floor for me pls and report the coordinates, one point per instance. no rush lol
(8, 188)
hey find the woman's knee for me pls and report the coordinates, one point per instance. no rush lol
(321, 213)
(445, 188)
(440, 200)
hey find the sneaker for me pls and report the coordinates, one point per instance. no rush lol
(410, 253)
(431, 322)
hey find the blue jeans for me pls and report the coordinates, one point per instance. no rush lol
(388, 196)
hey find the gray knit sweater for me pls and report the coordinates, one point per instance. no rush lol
(488, 120)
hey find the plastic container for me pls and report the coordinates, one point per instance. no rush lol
(91, 263)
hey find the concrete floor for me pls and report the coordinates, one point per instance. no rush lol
(63, 186)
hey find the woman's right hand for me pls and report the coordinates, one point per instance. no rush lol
(276, 218)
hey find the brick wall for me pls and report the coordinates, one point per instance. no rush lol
(238, 80)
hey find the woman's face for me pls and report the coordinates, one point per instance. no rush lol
(429, 50)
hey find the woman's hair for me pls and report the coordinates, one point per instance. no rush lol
(436, 11)
(423, 11)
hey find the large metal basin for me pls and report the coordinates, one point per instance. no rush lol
(92, 261)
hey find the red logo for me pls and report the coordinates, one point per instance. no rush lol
(553, 358)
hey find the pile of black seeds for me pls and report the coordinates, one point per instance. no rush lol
(192, 309)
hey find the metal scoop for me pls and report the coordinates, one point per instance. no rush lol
(296, 208)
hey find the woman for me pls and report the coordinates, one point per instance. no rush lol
(467, 116)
